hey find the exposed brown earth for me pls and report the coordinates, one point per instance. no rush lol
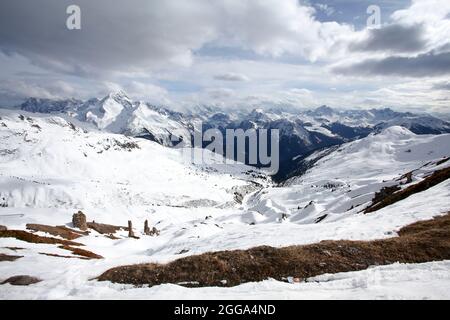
(105, 228)
(64, 244)
(392, 197)
(5, 257)
(61, 231)
(61, 256)
(81, 252)
(34, 238)
(417, 243)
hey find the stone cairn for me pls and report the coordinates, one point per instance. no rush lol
(79, 221)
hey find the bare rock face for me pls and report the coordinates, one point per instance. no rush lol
(104, 228)
(21, 280)
(150, 232)
(130, 230)
(146, 228)
(79, 221)
(3, 228)
(5, 257)
(409, 177)
(154, 232)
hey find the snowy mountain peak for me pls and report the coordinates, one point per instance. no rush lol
(259, 115)
(119, 94)
(120, 97)
(396, 132)
(301, 131)
(324, 110)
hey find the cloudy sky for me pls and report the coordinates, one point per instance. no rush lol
(239, 53)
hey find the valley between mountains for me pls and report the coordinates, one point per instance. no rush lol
(361, 206)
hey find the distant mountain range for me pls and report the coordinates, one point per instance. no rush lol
(302, 132)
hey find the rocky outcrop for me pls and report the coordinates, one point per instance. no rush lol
(6, 257)
(105, 228)
(79, 221)
(21, 280)
(154, 232)
(130, 230)
(146, 228)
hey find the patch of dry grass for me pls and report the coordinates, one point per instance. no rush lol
(34, 238)
(64, 244)
(420, 242)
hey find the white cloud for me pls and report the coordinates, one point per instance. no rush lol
(220, 93)
(13, 91)
(275, 27)
(137, 90)
(152, 50)
(144, 35)
(115, 36)
(414, 43)
(148, 92)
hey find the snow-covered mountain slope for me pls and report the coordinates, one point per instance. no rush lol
(54, 165)
(344, 182)
(381, 118)
(301, 131)
(50, 162)
(117, 113)
(422, 281)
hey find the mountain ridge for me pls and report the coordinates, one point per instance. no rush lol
(301, 132)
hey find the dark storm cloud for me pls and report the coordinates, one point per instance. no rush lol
(424, 65)
(393, 38)
(114, 35)
(139, 35)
